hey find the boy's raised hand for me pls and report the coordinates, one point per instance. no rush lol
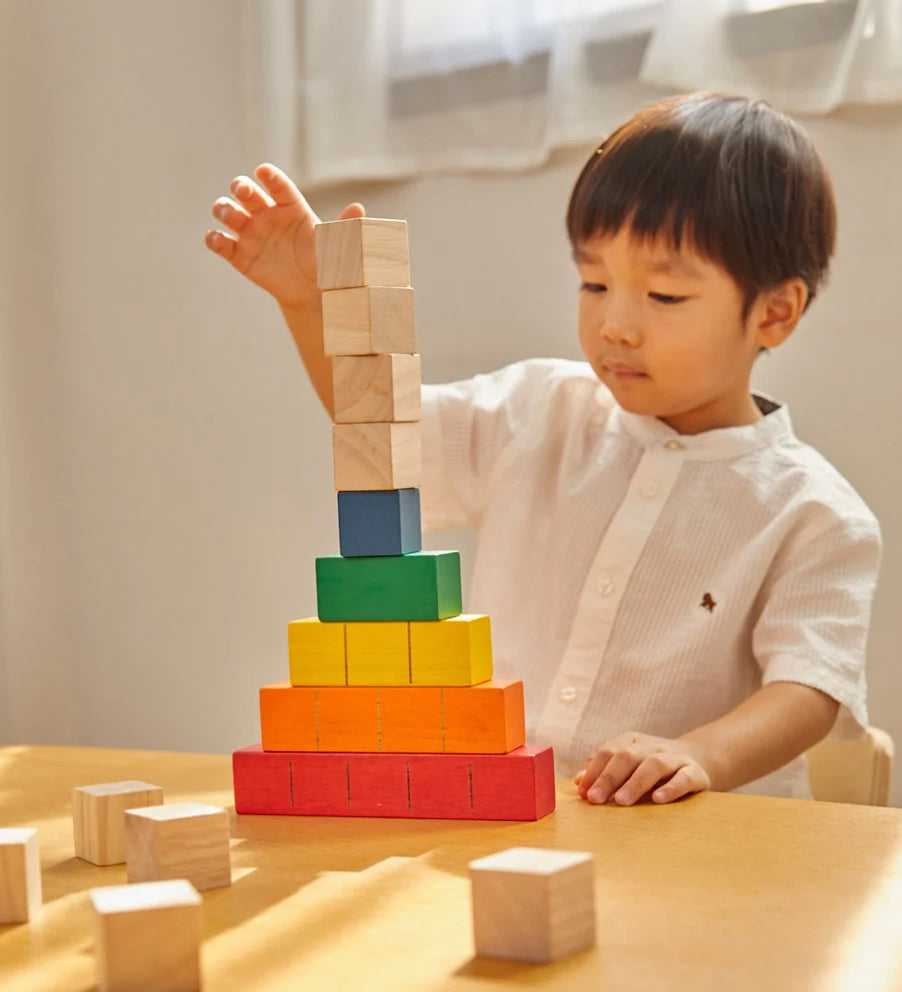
(630, 766)
(271, 240)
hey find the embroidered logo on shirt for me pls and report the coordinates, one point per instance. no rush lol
(708, 602)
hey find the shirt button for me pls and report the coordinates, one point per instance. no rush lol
(568, 694)
(674, 446)
(649, 489)
(605, 585)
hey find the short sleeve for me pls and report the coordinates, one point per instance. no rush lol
(466, 428)
(813, 627)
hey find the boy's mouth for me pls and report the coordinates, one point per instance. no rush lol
(623, 371)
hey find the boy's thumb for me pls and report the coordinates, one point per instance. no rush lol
(352, 210)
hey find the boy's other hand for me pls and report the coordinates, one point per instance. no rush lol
(271, 240)
(630, 766)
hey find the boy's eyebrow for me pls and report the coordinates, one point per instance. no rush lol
(668, 264)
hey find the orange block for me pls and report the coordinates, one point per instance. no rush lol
(487, 718)
(287, 718)
(410, 719)
(347, 718)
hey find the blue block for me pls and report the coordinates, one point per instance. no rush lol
(375, 523)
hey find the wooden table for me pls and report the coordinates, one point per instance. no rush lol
(719, 892)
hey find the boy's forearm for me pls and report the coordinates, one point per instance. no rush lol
(770, 728)
(305, 321)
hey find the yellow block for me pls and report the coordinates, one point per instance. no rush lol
(316, 652)
(456, 651)
(378, 653)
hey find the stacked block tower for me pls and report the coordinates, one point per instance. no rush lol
(391, 708)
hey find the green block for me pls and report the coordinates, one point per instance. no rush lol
(420, 586)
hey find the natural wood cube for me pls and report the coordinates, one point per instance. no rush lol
(179, 840)
(533, 904)
(98, 818)
(20, 874)
(362, 251)
(376, 456)
(147, 936)
(376, 388)
(370, 320)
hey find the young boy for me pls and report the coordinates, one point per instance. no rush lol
(683, 586)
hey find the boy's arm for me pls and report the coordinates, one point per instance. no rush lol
(764, 732)
(272, 243)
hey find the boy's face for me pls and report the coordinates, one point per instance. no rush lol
(664, 331)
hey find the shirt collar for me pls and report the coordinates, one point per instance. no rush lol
(717, 445)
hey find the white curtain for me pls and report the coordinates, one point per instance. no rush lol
(392, 88)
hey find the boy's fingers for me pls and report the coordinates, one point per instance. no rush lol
(229, 213)
(352, 210)
(689, 779)
(282, 190)
(249, 195)
(654, 769)
(223, 244)
(616, 772)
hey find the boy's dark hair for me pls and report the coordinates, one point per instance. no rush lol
(741, 183)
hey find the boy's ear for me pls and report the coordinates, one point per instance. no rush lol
(778, 310)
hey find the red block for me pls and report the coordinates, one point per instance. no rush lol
(514, 786)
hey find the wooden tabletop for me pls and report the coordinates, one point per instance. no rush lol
(718, 892)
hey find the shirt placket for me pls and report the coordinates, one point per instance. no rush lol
(606, 581)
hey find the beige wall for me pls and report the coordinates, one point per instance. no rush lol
(165, 470)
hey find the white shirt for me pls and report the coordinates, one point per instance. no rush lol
(642, 580)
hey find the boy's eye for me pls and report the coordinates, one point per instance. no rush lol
(665, 299)
(593, 287)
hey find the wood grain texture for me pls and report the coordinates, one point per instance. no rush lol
(20, 874)
(376, 456)
(533, 904)
(98, 817)
(514, 786)
(147, 936)
(456, 651)
(486, 718)
(180, 840)
(421, 586)
(378, 653)
(316, 652)
(379, 523)
(372, 320)
(717, 892)
(376, 388)
(362, 251)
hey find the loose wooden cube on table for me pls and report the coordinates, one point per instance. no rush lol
(98, 817)
(20, 874)
(180, 840)
(533, 904)
(147, 936)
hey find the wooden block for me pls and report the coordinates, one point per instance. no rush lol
(514, 786)
(379, 522)
(98, 817)
(20, 874)
(484, 718)
(533, 904)
(376, 388)
(347, 718)
(362, 251)
(420, 586)
(411, 719)
(179, 840)
(316, 652)
(288, 720)
(374, 320)
(147, 936)
(378, 653)
(456, 651)
(376, 456)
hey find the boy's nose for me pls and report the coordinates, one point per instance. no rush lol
(620, 329)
